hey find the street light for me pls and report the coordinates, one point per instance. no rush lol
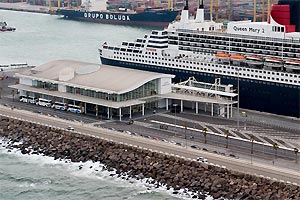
(175, 105)
(185, 128)
(252, 140)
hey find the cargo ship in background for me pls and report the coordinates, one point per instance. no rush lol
(261, 59)
(151, 16)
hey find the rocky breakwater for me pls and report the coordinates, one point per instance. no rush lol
(172, 172)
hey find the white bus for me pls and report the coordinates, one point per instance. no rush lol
(44, 102)
(59, 105)
(28, 99)
(74, 109)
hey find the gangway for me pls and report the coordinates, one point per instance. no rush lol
(201, 94)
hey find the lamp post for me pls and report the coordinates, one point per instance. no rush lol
(275, 147)
(252, 140)
(185, 128)
(175, 105)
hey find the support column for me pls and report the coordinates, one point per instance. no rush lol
(96, 111)
(231, 110)
(143, 109)
(212, 109)
(228, 111)
(84, 108)
(167, 104)
(181, 105)
(107, 112)
(205, 107)
(196, 107)
(120, 114)
(130, 112)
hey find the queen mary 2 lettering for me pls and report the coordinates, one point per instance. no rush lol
(105, 16)
(158, 17)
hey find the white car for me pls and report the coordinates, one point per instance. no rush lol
(28, 99)
(202, 159)
(70, 128)
(59, 106)
(44, 102)
(75, 109)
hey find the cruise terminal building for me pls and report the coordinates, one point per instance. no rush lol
(116, 92)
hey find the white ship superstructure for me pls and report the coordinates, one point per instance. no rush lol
(264, 57)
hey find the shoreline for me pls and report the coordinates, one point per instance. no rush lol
(137, 163)
(23, 7)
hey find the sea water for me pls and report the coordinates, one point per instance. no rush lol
(41, 38)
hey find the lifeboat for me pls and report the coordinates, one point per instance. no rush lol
(273, 63)
(222, 55)
(254, 61)
(222, 58)
(237, 59)
(275, 60)
(292, 66)
(254, 57)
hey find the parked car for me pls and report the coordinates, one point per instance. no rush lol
(195, 147)
(28, 99)
(179, 144)
(204, 149)
(59, 105)
(164, 140)
(70, 128)
(128, 132)
(202, 159)
(43, 102)
(233, 155)
(75, 109)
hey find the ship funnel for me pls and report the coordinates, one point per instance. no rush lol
(200, 13)
(185, 13)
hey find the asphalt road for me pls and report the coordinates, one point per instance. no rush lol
(230, 163)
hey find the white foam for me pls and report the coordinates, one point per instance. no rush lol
(93, 170)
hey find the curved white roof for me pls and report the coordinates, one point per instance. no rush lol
(109, 79)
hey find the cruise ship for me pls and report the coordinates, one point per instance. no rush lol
(261, 59)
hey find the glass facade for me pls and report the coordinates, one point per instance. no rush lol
(45, 85)
(148, 89)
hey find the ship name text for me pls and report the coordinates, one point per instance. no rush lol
(106, 16)
(249, 29)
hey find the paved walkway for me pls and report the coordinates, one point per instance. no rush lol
(275, 121)
(262, 134)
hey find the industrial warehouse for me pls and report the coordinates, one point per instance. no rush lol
(115, 92)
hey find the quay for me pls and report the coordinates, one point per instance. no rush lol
(23, 6)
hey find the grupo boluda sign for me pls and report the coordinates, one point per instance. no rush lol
(106, 16)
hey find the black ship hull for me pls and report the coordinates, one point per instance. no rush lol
(271, 97)
(150, 17)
